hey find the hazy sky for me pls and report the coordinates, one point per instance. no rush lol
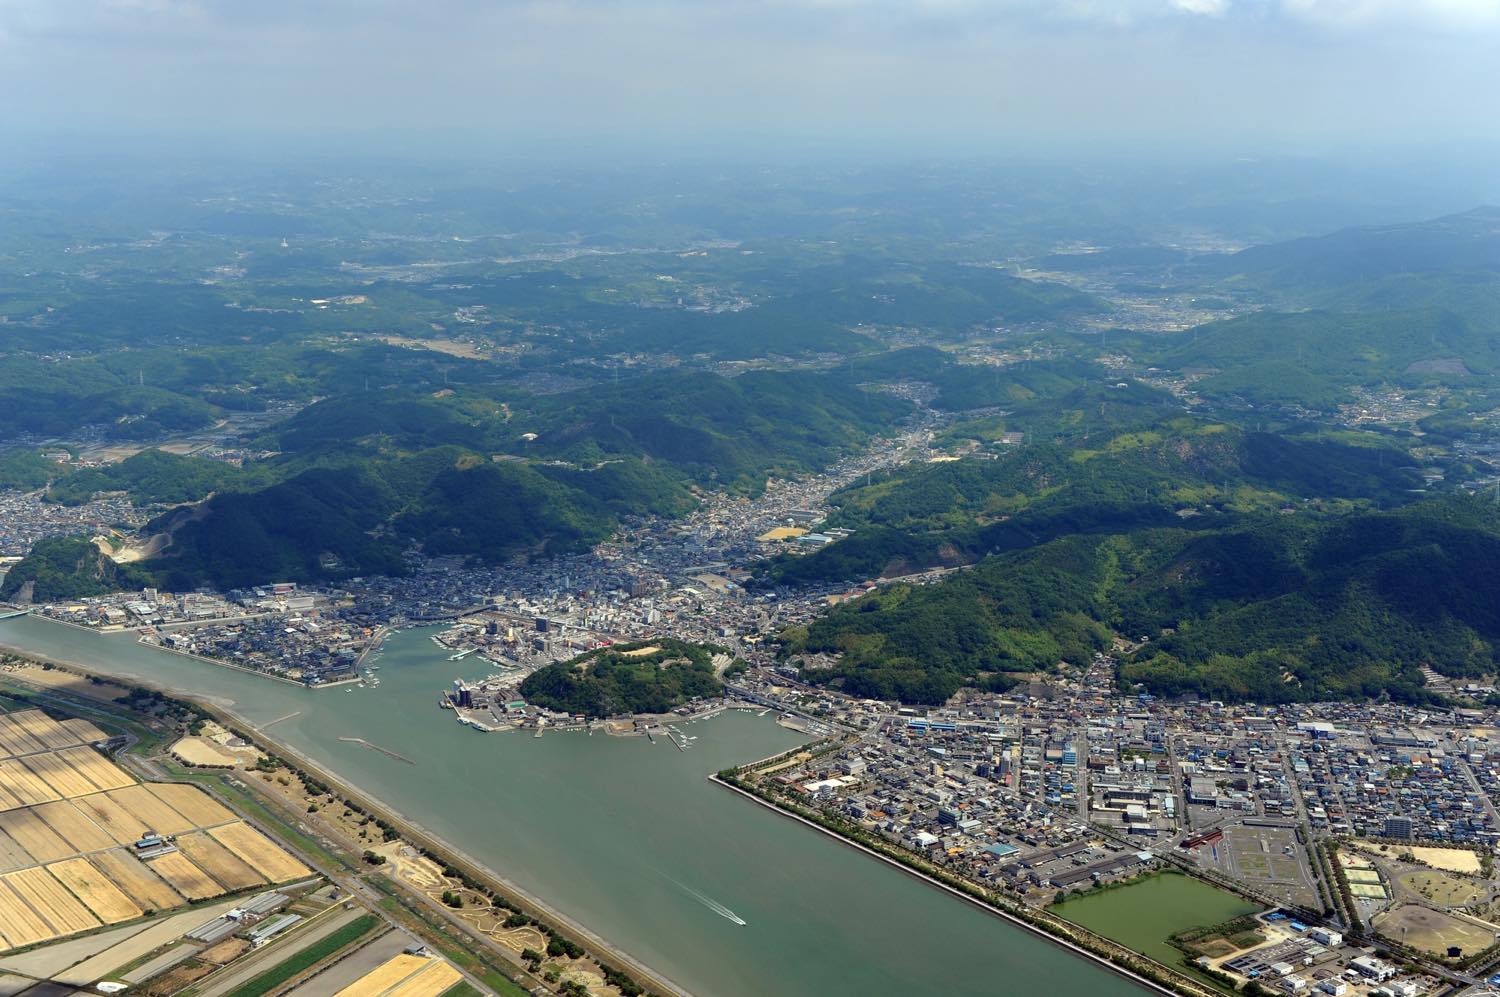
(1241, 74)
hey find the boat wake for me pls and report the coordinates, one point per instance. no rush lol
(710, 903)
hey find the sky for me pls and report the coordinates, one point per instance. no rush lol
(1177, 75)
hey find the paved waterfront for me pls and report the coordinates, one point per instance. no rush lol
(628, 837)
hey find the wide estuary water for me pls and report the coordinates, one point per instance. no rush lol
(626, 837)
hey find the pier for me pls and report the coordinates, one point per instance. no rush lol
(375, 747)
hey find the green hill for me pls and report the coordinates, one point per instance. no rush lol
(1271, 610)
(654, 677)
(947, 514)
(61, 568)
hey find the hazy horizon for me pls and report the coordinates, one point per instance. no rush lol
(1175, 78)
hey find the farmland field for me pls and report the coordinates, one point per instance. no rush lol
(185, 877)
(21, 925)
(81, 833)
(192, 802)
(96, 768)
(146, 805)
(127, 872)
(218, 861)
(94, 888)
(32, 833)
(123, 825)
(260, 852)
(52, 900)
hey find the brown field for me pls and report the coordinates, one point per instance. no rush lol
(43, 728)
(260, 852)
(14, 739)
(74, 828)
(1433, 931)
(52, 900)
(148, 807)
(193, 803)
(56, 678)
(21, 925)
(129, 874)
(33, 834)
(23, 784)
(386, 975)
(430, 982)
(64, 779)
(96, 891)
(83, 731)
(7, 801)
(96, 768)
(218, 861)
(117, 821)
(184, 877)
(12, 855)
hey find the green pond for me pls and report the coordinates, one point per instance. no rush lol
(1143, 915)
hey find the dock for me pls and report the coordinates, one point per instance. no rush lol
(273, 723)
(375, 747)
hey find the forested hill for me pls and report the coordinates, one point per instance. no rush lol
(469, 472)
(1185, 471)
(654, 677)
(1277, 609)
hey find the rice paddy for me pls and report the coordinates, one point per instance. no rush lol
(185, 877)
(98, 894)
(260, 852)
(219, 862)
(69, 822)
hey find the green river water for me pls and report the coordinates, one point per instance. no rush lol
(625, 837)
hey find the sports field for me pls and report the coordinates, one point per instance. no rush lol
(1433, 931)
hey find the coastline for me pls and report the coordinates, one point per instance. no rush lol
(1073, 948)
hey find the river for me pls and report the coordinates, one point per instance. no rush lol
(623, 836)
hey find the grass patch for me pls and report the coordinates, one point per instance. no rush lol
(462, 989)
(306, 959)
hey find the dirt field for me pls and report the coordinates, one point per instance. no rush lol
(82, 834)
(449, 346)
(203, 753)
(55, 678)
(259, 852)
(218, 861)
(1433, 931)
(127, 872)
(52, 900)
(117, 821)
(146, 805)
(96, 768)
(192, 802)
(98, 894)
(185, 877)
(1450, 859)
(21, 925)
(32, 833)
(1444, 890)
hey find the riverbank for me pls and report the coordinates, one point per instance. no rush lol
(1181, 986)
